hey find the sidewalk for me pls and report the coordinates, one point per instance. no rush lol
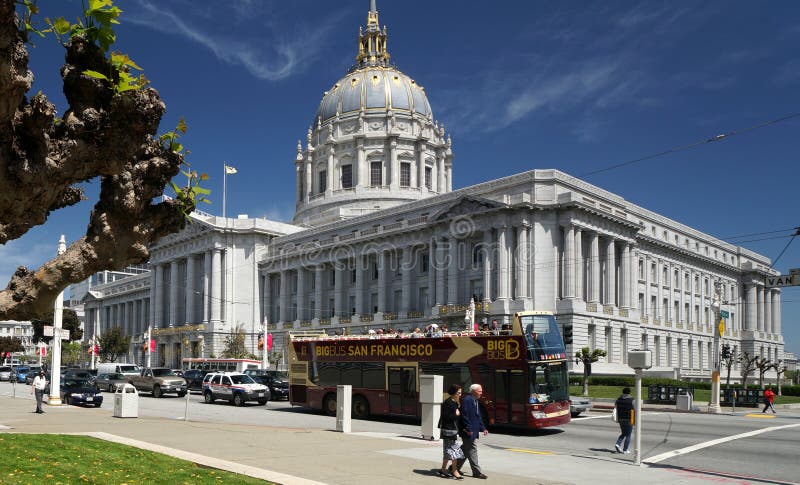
(293, 456)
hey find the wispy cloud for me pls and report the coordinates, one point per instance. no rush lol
(276, 51)
(18, 253)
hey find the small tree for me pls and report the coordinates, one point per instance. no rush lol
(72, 354)
(586, 357)
(10, 344)
(234, 345)
(780, 369)
(747, 365)
(113, 344)
(763, 364)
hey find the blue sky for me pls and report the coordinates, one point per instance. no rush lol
(519, 85)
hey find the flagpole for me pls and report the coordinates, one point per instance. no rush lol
(224, 186)
(265, 363)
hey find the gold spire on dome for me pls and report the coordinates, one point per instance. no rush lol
(372, 43)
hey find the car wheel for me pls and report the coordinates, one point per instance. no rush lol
(329, 404)
(68, 400)
(360, 407)
(238, 400)
(98, 404)
(112, 388)
(157, 391)
(575, 415)
(263, 402)
(209, 397)
(181, 394)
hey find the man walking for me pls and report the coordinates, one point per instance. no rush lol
(39, 383)
(769, 399)
(472, 426)
(625, 419)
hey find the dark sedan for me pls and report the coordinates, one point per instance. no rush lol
(278, 387)
(194, 379)
(81, 391)
(110, 382)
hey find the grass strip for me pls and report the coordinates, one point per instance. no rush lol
(54, 459)
(613, 392)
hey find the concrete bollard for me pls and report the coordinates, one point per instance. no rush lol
(344, 397)
(430, 399)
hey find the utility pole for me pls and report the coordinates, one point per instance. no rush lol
(54, 398)
(713, 404)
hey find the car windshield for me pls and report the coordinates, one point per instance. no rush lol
(242, 379)
(77, 383)
(129, 369)
(116, 376)
(5, 369)
(163, 372)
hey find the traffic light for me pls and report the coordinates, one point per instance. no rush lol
(726, 351)
(567, 333)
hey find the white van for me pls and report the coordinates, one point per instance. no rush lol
(115, 368)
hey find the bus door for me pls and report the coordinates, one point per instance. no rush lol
(510, 395)
(402, 390)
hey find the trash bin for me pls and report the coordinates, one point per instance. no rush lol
(684, 401)
(126, 402)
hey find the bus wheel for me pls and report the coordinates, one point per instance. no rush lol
(329, 404)
(360, 407)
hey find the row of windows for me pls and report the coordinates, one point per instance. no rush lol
(686, 243)
(728, 292)
(375, 176)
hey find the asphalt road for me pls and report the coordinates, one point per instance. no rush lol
(746, 447)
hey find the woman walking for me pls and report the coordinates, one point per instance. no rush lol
(625, 415)
(449, 425)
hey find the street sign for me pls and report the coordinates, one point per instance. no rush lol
(49, 331)
(783, 280)
(724, 313)
(721, 326)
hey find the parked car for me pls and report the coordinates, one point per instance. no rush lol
(194, 379)
(278, 387)
(267, 372)
(31, 375)
(578, 405)
(235, 387)
(110, 382)
(178, 372)
(129, 370)
(5, 373)
(20, 372)
(77, 374)
(80, 391)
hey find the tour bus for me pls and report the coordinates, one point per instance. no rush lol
(220, 365)
(523, 371)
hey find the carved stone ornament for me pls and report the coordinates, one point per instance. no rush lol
(376, 125)
(467, 206)
(349, 127)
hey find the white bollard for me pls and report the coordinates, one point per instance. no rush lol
(344, 397)
(430, 399)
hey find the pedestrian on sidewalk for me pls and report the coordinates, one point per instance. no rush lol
(449, 424)
(472, 426)
(625, 416)
(769, 398)
(39, 383)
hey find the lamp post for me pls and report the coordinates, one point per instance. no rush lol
(713, 404)
(54, 398)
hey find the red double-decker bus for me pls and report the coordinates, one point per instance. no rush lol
(523, 371)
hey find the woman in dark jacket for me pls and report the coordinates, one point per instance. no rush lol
(624, 407)
(450, 420)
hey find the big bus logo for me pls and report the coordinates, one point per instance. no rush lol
(502, 349)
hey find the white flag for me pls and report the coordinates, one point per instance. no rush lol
(230, 170)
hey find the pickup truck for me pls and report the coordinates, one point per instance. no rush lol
(159, 381)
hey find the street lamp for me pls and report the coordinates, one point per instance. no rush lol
(716, 302)
(54, 398)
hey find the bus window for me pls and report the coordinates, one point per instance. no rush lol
(451, 373)
(350, 374)
(374, 375)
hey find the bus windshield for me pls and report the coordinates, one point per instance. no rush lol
(548, 382)
(542, 337)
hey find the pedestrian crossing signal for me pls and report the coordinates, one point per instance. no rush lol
(567, 333)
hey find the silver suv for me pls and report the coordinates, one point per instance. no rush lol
(235, 387)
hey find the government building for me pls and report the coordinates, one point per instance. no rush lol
(380, 239)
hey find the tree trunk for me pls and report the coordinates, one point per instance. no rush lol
(585, 382)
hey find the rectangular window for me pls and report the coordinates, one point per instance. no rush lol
(623, 337)
(428, 177)
(323, 181)
(657, 345)
(347, 176)
(652, 310)
(669, 351)
(405, 174)
(376, 174)
(424, 263)
(609, 344)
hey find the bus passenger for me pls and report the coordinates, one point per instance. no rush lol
(417, 333)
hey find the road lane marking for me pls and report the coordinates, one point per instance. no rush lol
(700, 446)
(767, 416)
(533, 452)
(606, 416)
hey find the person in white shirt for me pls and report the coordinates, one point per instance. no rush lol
(39, 384)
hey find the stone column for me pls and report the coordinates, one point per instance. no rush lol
(283, 316)
(406, 271)
(569, 261)
(338, 289)
(502, 263)
(216, 285)
(360, 268)
(302, 294)
(751, 308)
(394, 167)
(173, 293)
(625, 276)
(611, 282)
(579, 265)
(420, 149)
(190, 291)
(318, 294)
(768, 310)
(440, 181)
(522, 262)
(431, 273)
(268, 297)
(488, 256)
(329, 175)
(760, 308)
(383, 266)
(207, 287)
(594, 268)
(309, 182)
(440, 271)
(452, 273)
(153, 293)
(776, 312)
(362, 174)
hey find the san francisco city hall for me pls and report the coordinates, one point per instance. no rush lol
(381, 240)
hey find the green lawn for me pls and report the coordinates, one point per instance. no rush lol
(36, 458)
(614, 392)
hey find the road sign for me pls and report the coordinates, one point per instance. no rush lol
(724, 314)
(721, 326)
(783, 280)
(49, 331)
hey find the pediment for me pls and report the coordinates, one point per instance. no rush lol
(466, 206)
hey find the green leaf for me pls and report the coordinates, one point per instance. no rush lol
(61, 26)
(95, 74)
(181, 128)
(201, 190)
(175, 188)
